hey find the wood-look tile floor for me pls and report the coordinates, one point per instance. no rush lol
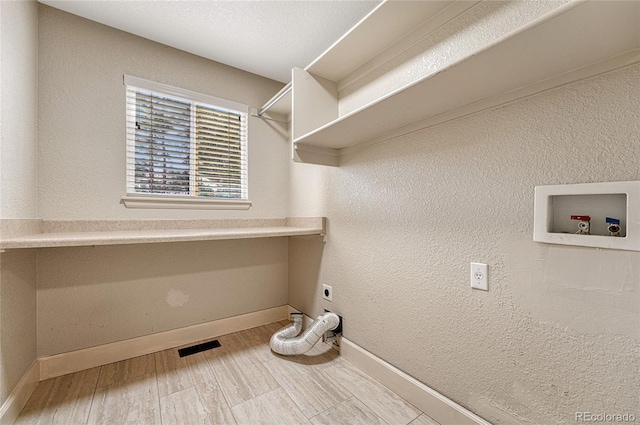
(241, 382)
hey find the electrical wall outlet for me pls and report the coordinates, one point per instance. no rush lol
(480, 276)
(327, 292)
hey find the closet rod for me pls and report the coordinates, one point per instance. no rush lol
(282, 93)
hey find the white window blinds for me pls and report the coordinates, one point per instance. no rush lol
(184, 144)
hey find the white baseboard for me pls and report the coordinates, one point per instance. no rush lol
(20, 395)
(424, 398)
(75, 361)
(431, 402)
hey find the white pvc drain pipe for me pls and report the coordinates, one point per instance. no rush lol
(286, 341)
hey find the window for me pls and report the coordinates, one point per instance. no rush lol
(184, 149)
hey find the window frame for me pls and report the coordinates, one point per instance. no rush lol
(158, 200)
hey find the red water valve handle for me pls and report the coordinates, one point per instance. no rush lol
(581, 217)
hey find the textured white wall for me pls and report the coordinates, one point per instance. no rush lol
(148, 288)
(18, 109)
(18, 180)
(17, 317)
(558, 331)
(82, 120)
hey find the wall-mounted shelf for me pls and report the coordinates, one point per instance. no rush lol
(363, 42)
(156, 231)
(555, 205)
(573, 42)
(366, 39)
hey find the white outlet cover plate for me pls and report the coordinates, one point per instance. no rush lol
(326, 288)
(480, 276)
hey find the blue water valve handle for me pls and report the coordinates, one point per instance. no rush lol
(613, 226)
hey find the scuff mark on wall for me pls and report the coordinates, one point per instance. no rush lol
(176, 298)
(599, 287)
(588, 269)
(499, 415)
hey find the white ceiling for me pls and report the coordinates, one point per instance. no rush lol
(265, 37)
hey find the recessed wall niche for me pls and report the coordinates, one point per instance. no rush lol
(581, 214)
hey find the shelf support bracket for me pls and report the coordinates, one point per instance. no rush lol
(282, 93)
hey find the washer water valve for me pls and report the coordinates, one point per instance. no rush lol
(613, 226)
(583, 225)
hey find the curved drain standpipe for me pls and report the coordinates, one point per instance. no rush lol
(286, 342)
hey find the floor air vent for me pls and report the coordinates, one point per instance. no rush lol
(183, 352)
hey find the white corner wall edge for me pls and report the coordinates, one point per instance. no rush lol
(74, 361)
(306, 320)
(434, 404)
(16, 401)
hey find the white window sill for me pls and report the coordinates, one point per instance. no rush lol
(161, 202)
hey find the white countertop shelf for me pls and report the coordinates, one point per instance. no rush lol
(573, 42)
(294, 227)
